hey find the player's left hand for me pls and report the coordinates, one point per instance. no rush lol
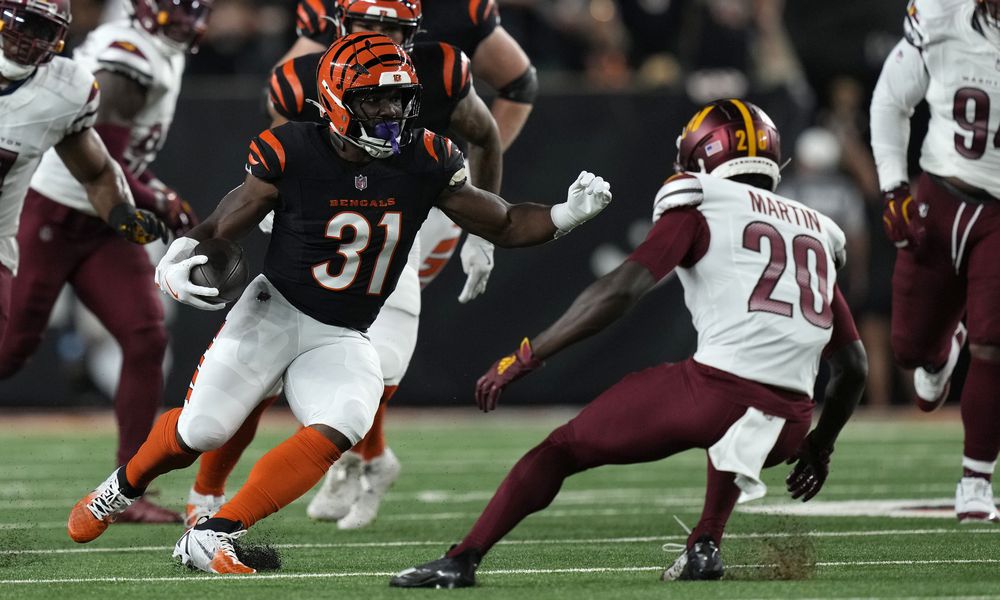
(812, 465)
(137, 225)
(903, 217)
(477, 262)
(585, 199)
(504, 371)
(175, 211)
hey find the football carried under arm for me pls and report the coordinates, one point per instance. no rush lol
(88, 161)
(237, 214)
(515, 225)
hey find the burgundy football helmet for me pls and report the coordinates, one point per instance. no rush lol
(730, 137)
(31, 33)
(180, 23)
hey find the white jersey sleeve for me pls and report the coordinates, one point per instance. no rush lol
(901, 86)
(60, 99)
(761, 296)
(679, 190)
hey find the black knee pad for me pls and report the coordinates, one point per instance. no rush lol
(524, 89)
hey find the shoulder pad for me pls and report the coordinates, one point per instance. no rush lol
(129, 53)
(682, 189)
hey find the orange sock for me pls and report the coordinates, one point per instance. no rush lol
(215, 466)
(160, 453)
(291, 469)
(373, 444)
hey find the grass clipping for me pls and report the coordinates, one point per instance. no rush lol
(263, 557)
(784, 556)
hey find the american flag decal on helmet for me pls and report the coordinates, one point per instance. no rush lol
(360, 182)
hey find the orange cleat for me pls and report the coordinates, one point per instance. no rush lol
(98, 509)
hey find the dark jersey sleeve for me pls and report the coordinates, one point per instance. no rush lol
(462, 23)
(314, 20)
(448, 161)
(844, 329)
(679, 238)
(293, 85)
(266, 159)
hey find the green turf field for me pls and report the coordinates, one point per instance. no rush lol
(600, 539)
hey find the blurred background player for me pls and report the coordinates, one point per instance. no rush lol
(354, 487)
(948, 230)
(330, 264)
(51, 102)
(138, 63)
(745, 396)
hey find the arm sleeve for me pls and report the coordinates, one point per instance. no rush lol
(266, 159)
(901, 86)
(679, 238)
(126, 58)
(844, 329)
(292, 84)
(315, 20)
(87, 115)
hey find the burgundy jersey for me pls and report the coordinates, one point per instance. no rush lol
(462, 23)
(443, 71)
(343, 230)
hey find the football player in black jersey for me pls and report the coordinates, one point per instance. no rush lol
(448, 102)
(471, 25)
(349, 197)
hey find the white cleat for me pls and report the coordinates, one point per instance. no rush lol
(210, 551)
(380, 473)
(974, 501)
(201, 506)
(932, 388)
(340, 489)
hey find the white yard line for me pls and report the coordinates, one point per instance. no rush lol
(534, 542)
(576, 570)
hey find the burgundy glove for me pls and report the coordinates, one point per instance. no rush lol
(903, 217)
(810, 470)
(175, 212)
(504, 371)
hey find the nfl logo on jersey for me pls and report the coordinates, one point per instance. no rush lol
(360, 181)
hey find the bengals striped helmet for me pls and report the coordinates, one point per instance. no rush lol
(31, 33)
(375, 14)
(369, 92)
(730, 137)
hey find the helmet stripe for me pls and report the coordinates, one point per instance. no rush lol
(748, 125)
(697, 120)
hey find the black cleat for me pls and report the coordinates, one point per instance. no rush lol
(699, 562)
(445, 572)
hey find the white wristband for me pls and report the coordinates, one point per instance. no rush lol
(561, 218)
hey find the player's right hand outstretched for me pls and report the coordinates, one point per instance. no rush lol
(585, 199)
(173, 276)
(504, 372)
(903, 217)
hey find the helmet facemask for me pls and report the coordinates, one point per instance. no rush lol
(380, 116)
(28, 38)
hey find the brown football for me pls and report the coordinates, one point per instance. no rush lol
(226, 269)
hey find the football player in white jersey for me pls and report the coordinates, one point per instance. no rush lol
(948, 229)
(48, 102)
(138, 63)
(759, 274)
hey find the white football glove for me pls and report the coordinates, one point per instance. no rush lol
(477, 262)
(267, 224)
(587, 197)
(173, 275)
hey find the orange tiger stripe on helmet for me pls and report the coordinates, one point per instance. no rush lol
(275, 145)
(293, 81)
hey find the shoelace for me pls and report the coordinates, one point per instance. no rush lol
(225, 541)
(108, 502)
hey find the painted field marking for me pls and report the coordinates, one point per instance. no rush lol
(576, 570)
(571, 541)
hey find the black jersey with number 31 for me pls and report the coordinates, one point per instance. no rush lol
(343, 230)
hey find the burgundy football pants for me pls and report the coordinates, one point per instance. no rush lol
(955, 271)
(114, 279)
(648, 415)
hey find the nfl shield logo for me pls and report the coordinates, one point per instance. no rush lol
(360, 182)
